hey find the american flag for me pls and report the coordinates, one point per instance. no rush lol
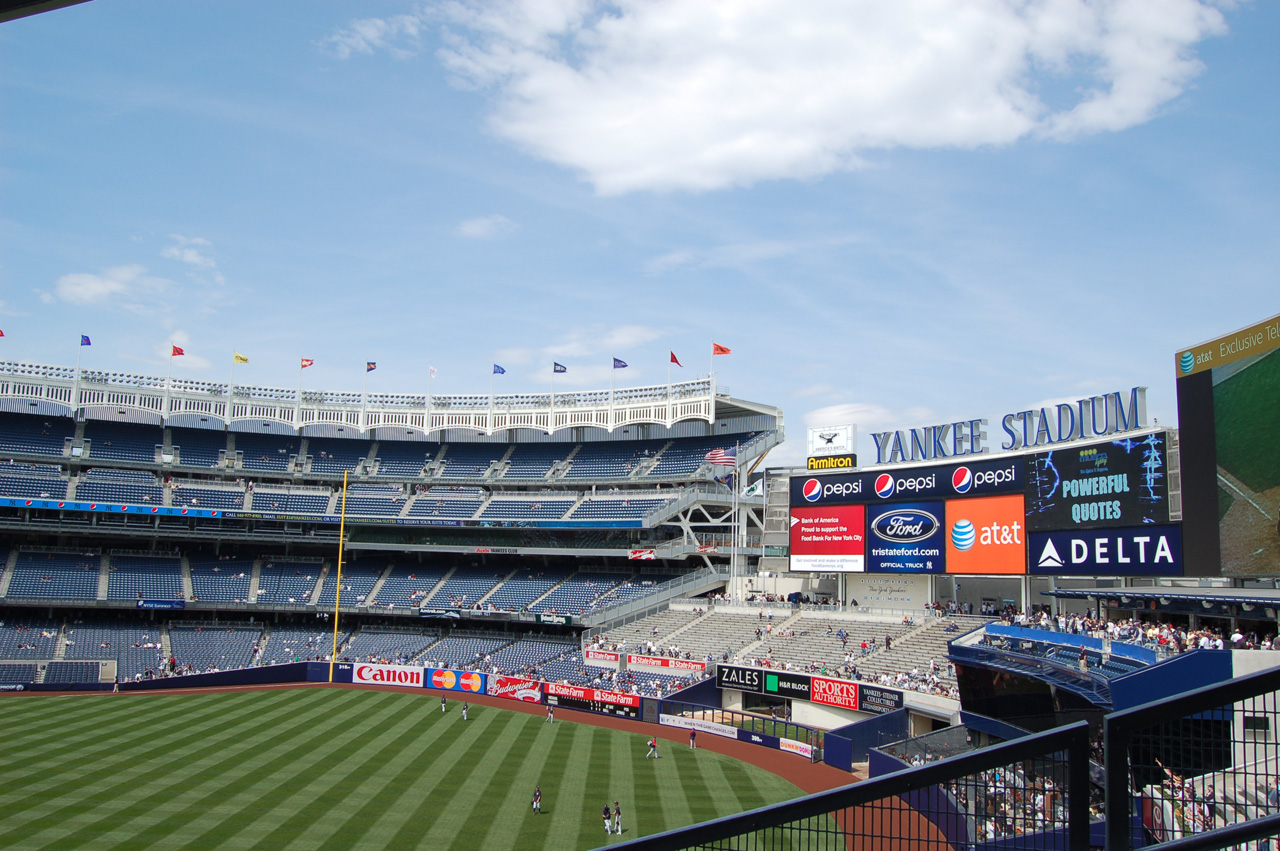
(723, 457)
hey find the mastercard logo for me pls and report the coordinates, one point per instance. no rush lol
(444, 679)
(471, 681)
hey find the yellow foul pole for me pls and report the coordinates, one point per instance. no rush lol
(337, 598)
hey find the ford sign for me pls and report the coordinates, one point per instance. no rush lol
(903, 527)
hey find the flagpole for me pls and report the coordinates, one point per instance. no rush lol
(551, 425)
(489, 424)
(168, 386)
(297, 407)
(231, 386)
(612, 370)
(364, 399)
(426, 431)
(75, 391)
(342, 526)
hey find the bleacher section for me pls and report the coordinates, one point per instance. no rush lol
(291, 643)
(470, 460)
(373, 500)
(221, 580)
(22, 434)
(404, 459)
(611, 460)
(289, 502)
(125, 642)
(685, 456)
(32, 481)
(145, 578)
(407, 585)
(28, 638)
(285, 582)
(464, 588)
(527, 654)
(461, 651)
(55, 576)
(517, 593)
(199, 447)
(357, 581)
(534, 460)
(15, 674)
(72, 672)
(538, 509)
(134, 487)
(214, 647)
(267, 452)
(389, 648)
(447, 503)
(333, 456)
(195, 496)
(578, 593)
(123, 441)
(595, 508)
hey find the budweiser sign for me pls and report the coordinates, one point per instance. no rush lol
(664, 662)
(602, 656)
(516, 688)
(643, 555)
(387, 675)
(834, 693)
(614, 697)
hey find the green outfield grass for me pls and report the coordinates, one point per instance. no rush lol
(330, 769)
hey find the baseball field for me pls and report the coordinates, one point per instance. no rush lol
(340, 768)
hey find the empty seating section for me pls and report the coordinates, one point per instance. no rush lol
(527, 654)
(383, 500)
(470, 460)
(534, 460)
(408, 585)
(229, 499)
(28, 486)
(72, 672)
(630, 589)
(290, 502)
(654, 628)
(404, 459)
(287, 582)
(464, 588)
(291, 643)
(198, 447)
(518, 592)
(357, 581)
(611, 459)
(23, 673)
(221, 647)
(221, 580)
(617, 509)
(461, 652)
(269, 452)
(567, 669)
(135, 487)
(23, 434)
(134, 646)
(715, 635)
(685, 456)
(123, 441)
(578, 593)
(333, 456)
(453, 506)
(816, 640)
(145, 578)
(57, 576)
(543, 509)
(392, 648)
(28, 638)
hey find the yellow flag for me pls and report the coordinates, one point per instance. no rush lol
(239, 358)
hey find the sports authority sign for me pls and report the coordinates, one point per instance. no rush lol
(664, 662)
(387, 675)
(516, 688)
(839, 693)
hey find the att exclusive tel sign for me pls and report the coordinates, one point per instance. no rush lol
(1096, 416)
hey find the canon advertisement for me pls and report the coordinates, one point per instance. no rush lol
(1139, 551)
(387, 675)
(1121, 483)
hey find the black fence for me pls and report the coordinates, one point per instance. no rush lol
(1033, 792)
(1200, 770)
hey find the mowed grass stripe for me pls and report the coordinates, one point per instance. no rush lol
(109, 811)
(554, 740)
(390, 789)
(673, 807)
(569, 787)
(514, 824)
(487, 808)
(43, 717)
(622, 776)
(452, 802)
(122, 764)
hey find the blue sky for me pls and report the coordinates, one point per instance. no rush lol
(895, 214)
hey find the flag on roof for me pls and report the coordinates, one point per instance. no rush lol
(370, 366)
(84, 340)
(1, 333)
(306, 362)
(676, 360)
(724, 457)
(431, 371)
(619, 364)
(558, 367)
(177, 352)
(236, 357)
(717, 349)
(497, 370)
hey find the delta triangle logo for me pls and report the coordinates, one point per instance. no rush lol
(794, 520)
(1050, 557)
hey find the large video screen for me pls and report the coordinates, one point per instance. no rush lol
(830, 539)
(1229, 424)
(1121, 483)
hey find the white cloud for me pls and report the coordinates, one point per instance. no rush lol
(398, 35)
(587, 353)
(677, 95)
(120, 285)
(189, 358)
(867, 417)
(188, 250)
(486, 227)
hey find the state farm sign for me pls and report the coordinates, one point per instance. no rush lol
(595, 694)
(664, 662)
(602, 656)
(834, 693)
(387, 675)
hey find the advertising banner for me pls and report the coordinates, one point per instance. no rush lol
(443, 678)
(516, 688)
(700, 725)
(601, 658)
(555, 620)
(1138, 551)
(840, 693)
(664, 662)
(785, 684)
(740, 678)
(941, 481)
(906, 537)
(828, 540)
(1121, 483)
(878, 701)
(642, 555)
(799, 748)
(594, 700)
(161, 604)
(387, 675)
(763, 739)
(987, 536)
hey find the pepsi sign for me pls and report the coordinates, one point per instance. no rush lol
(945, 481)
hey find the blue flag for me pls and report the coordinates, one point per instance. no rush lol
(619, 364)
(558, 367)
(370, 366)
(84, 340)
(497, 370)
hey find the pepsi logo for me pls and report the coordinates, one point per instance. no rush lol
(812, 490)
(905, 526)
(962, 479)
(884, 486)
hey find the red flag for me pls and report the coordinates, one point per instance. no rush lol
(306, 362)
(717, 349)
(675, 361)
(177, 352)
(1, 333)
